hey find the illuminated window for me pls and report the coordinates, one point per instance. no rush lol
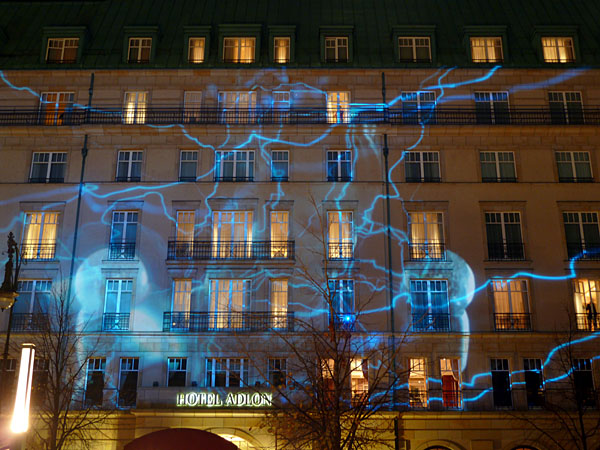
(94, 381)
(192, 107)
(504, 239)
(359, 380)
(239, 50)
(414, 49)
(486, 49)
(279, 165)
(338, 107)
(340, 239)
(422, 167)
(62, 50)
(128, 381)
(139, 50)
(451, 383)
(196, 50)
(39, 235)
(279, 303)
(418, 107)
(429, 304)
(181, 305)
(281, 53)
(558, 49)
(277, 372)
(237, 106)
(586, 297)
(232, 235)
(426, 230)
(184, 234)
(48, 167)
(188, 163)
(122, 235)
(226, 372)
(583, 381)
(497, 167)
(565, 107)
(339, 165)
(582, 235)
(574, 167)
(129, 166)
(341, 294)
(501, 383)
(492, 107)
(117, 304)
(336, 49)
(235, 165)
(534, 382)
(511, 304)
(176, 372)
(134, 107)
(417, 383)
(228, 298)
(56, 107)
(279, 234)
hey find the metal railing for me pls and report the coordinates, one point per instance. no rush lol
(227, 321)
(47, 180)
(427, 251)
(576, 179)
(121, 250)
(340, 250)
(431, 322)
(236, 250)
(588, 322)
(582, 250)
(506, 251)
(512, 322)
(369, 114)
(41, 250)
(344, 321)
(32, 322)
(115, 322)
(498, 179)
(411, 179)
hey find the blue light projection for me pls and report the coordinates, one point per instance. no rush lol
(462, 281)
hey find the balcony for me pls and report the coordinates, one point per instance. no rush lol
(410, 179)
(340, 250)
(232, 179)
(29, 322)
(451, 399)
(115, 322)
(582, 250)
(512, 322)
(588, 322)
(121, 250)
(227, 321)
(431, 322)
(506, 251)
(498, 179)
(427, 251)
(344, 321)
(40, 250)
(230, 250)
(47, 180)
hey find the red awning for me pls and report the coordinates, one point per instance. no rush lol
(180, 439)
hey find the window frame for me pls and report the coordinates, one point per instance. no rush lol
(223, 319)
(336, 31)
(419, 399)
(129, 162)
(451, 399)
(57, 112)
(428, 249)
(343, 248)
(134, 112)
(281, 162)
(413, 46)
(120, 304)
(556, 47)
(587, 319)
(238, 48)
(191, 162)
(210, 373)
(201, 39)
(183, 362)
(501, 366)
(573, 163)
(143, 44)
(511, 320)
(63, 48)
(249, 162)
(406, 155)
(49, 164)
(135, 368)
(414, 32)
(338, 109)
(92, 367)
(40, 287)
(44, 251)
(197, 32)
(239, 31)
(429, 320)
(533, 366)
(123, 248)
(492, 115)
(497, 166)
(581, 247)
(339, 159)
(282, 31)
(489, 44)
(568, 109)
(338, 44)
(511, 250)
(70, 32)
(279, 369)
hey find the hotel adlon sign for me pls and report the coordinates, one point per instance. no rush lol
(211, 399)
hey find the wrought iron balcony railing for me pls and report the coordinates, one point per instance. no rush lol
(237, 250)
(41, 250)
(588, 322)
(411, 179)
(121, 250)
(369, 114)
(583, 250)
(344, 321)
(115, 322)
(427, 251)
(47, 180)
(227, 321)
(29, 322)
(506, 251)
(498, 179)
(512, 322)
(451, 399)
(431, 322)
(340, 250)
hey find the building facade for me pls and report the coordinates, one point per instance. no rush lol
(231, 151)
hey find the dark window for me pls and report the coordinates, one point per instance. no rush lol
(277, 371)
(128, 381)
(504, 239)
(177, 370)
(501, 383)
(534, 382)
(584, 382)
(94, 387)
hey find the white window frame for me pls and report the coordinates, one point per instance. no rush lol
(586, 291)
(426, 248)
(280, 158)
(55, 107)
(412, 43)
(573, 159)
(338, 222)
(183, 362)
(488, 49)
(280, 231)
(337, 287)
(135, 104)
(94, 364)
(337, 43)
(339, 159)
(65, 43)
(430, 158)
(38, 248)
(502, 365)
(553, 44)
(53, 159)
(36, 288)
(222, 318)
(139, 43)
(188, 157)
(192, 106)
(278, 366)
(196, 45)
(565, 98)
(239, 156)
(238, 49)
(418, 398)
(134, 363)
(492, 98)
(338, 107)
(210, 373)
(278, 48)
(430, 289)
(279, 300)
(124, 286)
(133, 157)
(484, 158)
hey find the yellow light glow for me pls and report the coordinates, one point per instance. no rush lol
(20, 419)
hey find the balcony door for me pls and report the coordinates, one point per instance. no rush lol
(232, 235)
(228, 298)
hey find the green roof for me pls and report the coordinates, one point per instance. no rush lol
(372, 22)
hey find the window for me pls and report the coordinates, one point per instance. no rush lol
(184, 234)
(34, 298)
(56, 107)
(277, 372)
(134, 107)
(232, 234)
(341, 295)
(534, 382)
(492, 107)
(39, 235)
(511, 305)
(486, 49)
(39, 385)
(236, 165)
(281, 52)
(128, 381)
(62, 50)
(501, 383)
(239, 49)
(451, 385)
(10, 383)
(340, 240)
(359, 380)
(418, 107)
(280, 246)
(586, 296)
(498, 167)
(417, 383)
(338, 107)
(422, 167)
(176, 372)
(279, 165)
(504, 236)
(429, 304)
(279, 303)
(117, 304)
(583, 381)
(237, 107)
(339, 165)
(180, 308)
(129, 166)
(48, 167)
(558, 49)
(565, 107)
(582, 235)
(187, 165)
(226, 372)
(196, 50)
(192, 107)
(94, 384)
(139, 50)
(574, 167)
(426, 230)
(228, 299)
(336, 49)
(281, 101)
(414, 49)
(122, 235)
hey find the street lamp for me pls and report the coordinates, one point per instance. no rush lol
(20, 419)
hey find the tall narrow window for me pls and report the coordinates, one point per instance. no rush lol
(129, 166)
(339, 165)
(226, 372)
(139, 50)
(417, 383)
(504, 236)
(187, 165)
(180, 309)
(565, 107)
(574, 167)
(123, 235)
(451, 385)
(279, 303)
(414, 49)
(237, 107)
(359, 380)
(184, 234)
(128, 381)
(583, 381)
(336, 49)
(280, 234)
(511, 305)
(429, 304)
(282, 102)
(228, 298)
(486, 49)
(587, 303)
(558, 49)
(56, 107)
(48, 167)
(492, 107)
(176, 372)
(534, 382)
(501, 383)
(134, 107)
(426, 231)
(192, 107)
(279, 165)
(338, 107)
(341, 297)
(582, 234)
(232, 234)
(39, 386)
(281, 52)
(94, 386)
(340, 240)
(62, 50)
(422, 167)
(39, 235)
(418, 107)
(237, 165)
(277, 372)
(498, 167)
(196, 50)
(117, 304)
(239, 50)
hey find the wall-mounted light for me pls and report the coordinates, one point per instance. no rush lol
(20, 419)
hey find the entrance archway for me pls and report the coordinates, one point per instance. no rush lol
(180, 439)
